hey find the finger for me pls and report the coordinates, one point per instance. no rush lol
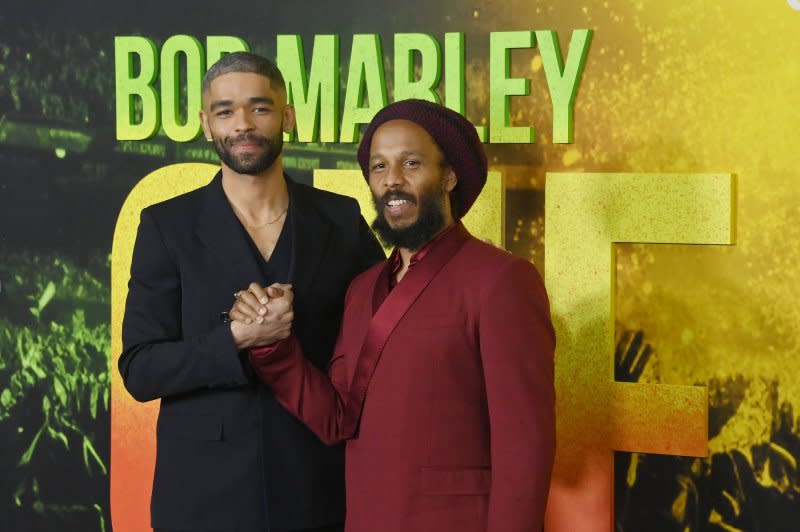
(641, 361)
(248, 309)
(274, 292)
(248, 305)
(246, 302)
(251, 300)
(248, 299)
(280, 305)
(236, 315)
(619, 352)
(248, 312)
(258, 292)
(287, 292)
(280, 287)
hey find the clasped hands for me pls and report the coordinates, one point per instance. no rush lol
(262, 315)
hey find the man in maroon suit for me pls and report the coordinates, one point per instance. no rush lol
(441, 381)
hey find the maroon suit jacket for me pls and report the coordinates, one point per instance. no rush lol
(444, 393)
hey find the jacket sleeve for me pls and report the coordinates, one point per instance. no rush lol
(313, 397)
(157, 360)
(517, 344)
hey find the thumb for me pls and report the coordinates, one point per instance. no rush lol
(274, 291)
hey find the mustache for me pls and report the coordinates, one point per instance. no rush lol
(396, 195)
(249, 138)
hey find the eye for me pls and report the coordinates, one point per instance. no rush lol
(223, 113)
(377, 166)
(261, 110)
(412, 163)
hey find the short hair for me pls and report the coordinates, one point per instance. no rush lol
(244, 62)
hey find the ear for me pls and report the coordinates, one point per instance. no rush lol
(204, 122)
(289, 118)
(450, 180)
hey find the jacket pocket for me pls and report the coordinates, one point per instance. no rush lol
(455, 481)
(198, 427)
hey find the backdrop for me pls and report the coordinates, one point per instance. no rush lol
(648, 160)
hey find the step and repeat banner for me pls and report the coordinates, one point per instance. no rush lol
(643, 156)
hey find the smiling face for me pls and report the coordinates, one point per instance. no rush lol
(410, 184)
(246, 116)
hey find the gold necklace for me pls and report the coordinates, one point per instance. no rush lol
(259, 226)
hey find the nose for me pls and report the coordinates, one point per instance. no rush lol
(393, 177)
(242, 122)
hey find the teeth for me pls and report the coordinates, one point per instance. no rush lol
(396, 202)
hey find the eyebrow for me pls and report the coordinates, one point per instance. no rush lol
(403, 154)
(255, 99)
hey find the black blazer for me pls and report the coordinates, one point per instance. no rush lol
(228, 456)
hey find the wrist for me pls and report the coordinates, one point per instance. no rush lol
(260, 354)
(238, 333)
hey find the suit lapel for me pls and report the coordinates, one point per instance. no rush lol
(389, 314)
(311, 238)
(220, 231)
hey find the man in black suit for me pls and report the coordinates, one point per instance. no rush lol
(228, 456)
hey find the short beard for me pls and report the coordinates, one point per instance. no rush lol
(429, 222)
(246, 163)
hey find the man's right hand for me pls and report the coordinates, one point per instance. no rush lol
(262, 315)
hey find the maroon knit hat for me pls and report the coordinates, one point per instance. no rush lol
(454, 135)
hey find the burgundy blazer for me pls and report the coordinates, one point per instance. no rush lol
(456, 429)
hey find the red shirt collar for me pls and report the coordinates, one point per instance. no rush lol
(396, 262)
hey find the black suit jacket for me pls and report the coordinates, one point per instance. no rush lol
(228, 456)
